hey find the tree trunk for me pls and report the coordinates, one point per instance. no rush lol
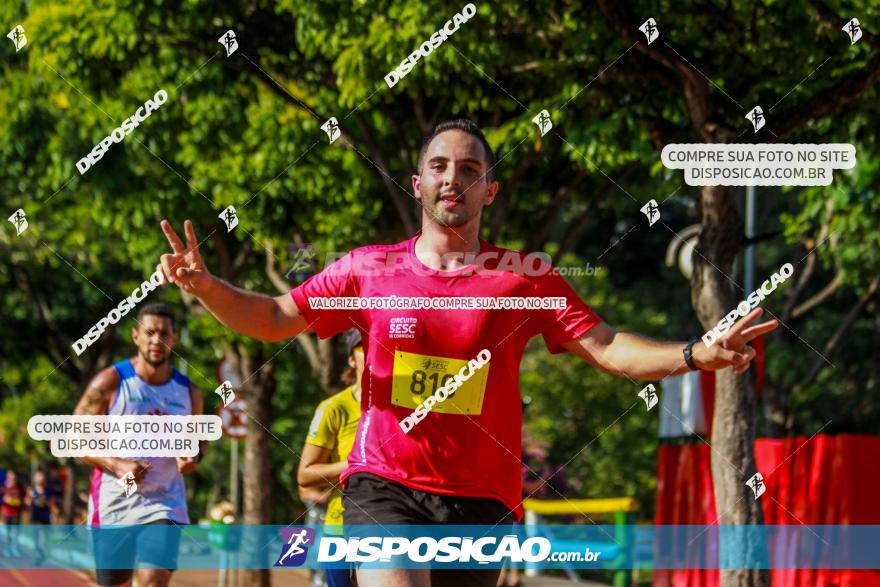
(733, 429)
(69, 492)
(257, 392)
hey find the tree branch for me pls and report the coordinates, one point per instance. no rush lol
(241, 258)
(837, 337)
(819, 297)
(405, 148)
(760, 238)
(824, 103)
(795, 292)
(539, 239)
(383, 170)
(695, 87)
(825, 13)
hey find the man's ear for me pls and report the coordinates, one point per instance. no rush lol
(134, 335)
(492, 191)
(351, 362)
(417, 187)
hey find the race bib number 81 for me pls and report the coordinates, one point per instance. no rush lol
(418, 376)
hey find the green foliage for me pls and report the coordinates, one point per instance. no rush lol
(245, 130)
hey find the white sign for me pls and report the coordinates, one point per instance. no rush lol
(234, 419)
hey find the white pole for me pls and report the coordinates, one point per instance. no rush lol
(233, 478)
(750, 232)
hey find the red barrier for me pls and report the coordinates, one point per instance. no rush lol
(819, 480)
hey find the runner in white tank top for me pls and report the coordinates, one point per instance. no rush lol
(145, 384)
(161, 493)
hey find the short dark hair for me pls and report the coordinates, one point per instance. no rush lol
(471, 128)
(156, 309)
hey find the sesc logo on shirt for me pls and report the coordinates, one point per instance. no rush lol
(402, 327)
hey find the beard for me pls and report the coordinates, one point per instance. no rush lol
(153, 362)
(443, 216)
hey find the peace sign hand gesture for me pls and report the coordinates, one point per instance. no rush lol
(732, 349)
(184, 267)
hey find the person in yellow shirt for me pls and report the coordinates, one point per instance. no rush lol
(331, 437)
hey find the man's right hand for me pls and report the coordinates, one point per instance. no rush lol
(252, 314)
(184, 267)
(123, 467)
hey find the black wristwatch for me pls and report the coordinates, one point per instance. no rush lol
(688, 355)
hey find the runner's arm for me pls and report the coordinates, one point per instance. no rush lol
(629, 355)
(638, 357)
(263, 317)
(315, 471)
(256, 315)
(94, 402)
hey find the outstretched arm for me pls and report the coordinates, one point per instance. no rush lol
(638, 357)
(260, 316)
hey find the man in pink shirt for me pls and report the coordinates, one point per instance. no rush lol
(439, 440)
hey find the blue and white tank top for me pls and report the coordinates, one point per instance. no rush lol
(161, 494)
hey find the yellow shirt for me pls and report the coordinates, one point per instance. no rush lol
(334, 426)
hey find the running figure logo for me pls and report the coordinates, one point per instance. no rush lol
(854, 30)
(652, 211)
(303, 261)
(756, 483)
(295, 548)
(19, 39)
(756, 117)
(649, 28)
(229, 42)
(543, 121)
(129, 486)
(229, 217)
(649, 395)
(331, 127)
(225, 392)
(19, 220)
